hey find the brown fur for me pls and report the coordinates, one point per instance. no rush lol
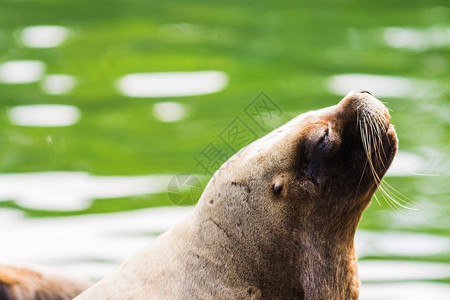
(39, 283)
(247, 240)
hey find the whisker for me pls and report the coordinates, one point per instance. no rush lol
(370, 126)
(379, 142)
(398, 195)
(395, 199)
(376, 198)
(365, 164)
(388, 201)
(425, 174)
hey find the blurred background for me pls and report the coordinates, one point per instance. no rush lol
(114, 115)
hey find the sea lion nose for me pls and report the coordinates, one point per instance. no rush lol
(357, 101)
(365, 92)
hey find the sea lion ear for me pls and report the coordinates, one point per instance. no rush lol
(277, 187)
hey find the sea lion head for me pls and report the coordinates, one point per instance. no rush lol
(282, 212)
(320, 169)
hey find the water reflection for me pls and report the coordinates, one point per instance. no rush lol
(44, 115)
(383, 270)
(21, 71)
(417, 39)
(380, 86)
(432, 215)
(406, 164)
(172, 84)
(44, 36)
(74, 190)
(89, 240)
(387, 243)
(405, 291)
(169, 111)
(58, 84)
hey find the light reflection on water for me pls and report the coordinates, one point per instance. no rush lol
(58, 84)
(169, 111)
(380, 86)
(405, 291)
(379, 270)
(44, 115)
(74, 190)
(395, 243)
(21, 71)
(429, 215)
(406, 164)
(44, 36)
(416, 38)
(384, 86)
(172, 84)
(83, 239)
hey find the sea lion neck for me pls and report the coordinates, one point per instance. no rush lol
(282, 257)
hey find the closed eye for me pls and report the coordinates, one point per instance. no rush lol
(323, 142)
(321, 147)
(318, 152)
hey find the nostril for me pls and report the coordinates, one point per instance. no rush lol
(364, 91)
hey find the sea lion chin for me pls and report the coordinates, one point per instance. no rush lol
(277, 221)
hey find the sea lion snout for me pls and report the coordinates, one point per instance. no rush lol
(368, 119)
(363, 102)
(347, 147)
(364, 91)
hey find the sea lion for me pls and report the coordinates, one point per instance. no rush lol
(32, 282)
(277, 221)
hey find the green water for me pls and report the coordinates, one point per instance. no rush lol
(287, 49)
